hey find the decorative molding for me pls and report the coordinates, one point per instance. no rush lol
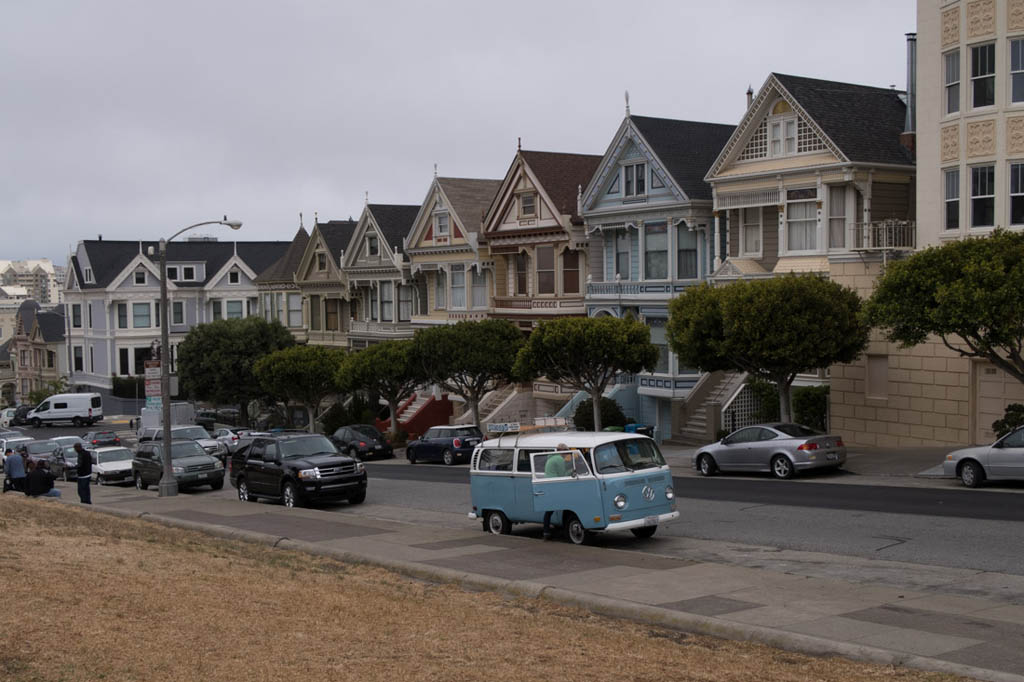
(1014, 15)
(981, 138)
(1015, 133)
(950, 141)
(951, 26)
(981, 18)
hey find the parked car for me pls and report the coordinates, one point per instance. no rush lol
(297, 468)
(13, 440)
(782, 449)
(229, 436)
(65, 460)
(192, 466)
(41, 450)
(7, 417)
(112, 465)
(68, 442)
(187, 432)
(1002, 460)
(362, 441)
(448, 444)
(21, 415)
(98, 439)
(77, 408)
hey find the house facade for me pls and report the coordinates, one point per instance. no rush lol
(112, 292)
(647, 210)
(452, 272)
(279, 296)
(37, 349)
(323, 284)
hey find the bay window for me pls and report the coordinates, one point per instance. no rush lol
(234, 310)
(801, 220)
(951, 81)
(837, 217)
(294, 310)
(570, 272)
(983, 75)
(983, 200)
(622, 253)
(656, 251)
(140, 315)
(177, 312)
(522, 274)
(373, 304)
(314, 312)
(440, 290)
(750, 231)
(1017, 193)
(387, 301)
(404, 303)
(331, 309)
(952, 198)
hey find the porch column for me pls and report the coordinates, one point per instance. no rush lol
(728, 233)
(716, 245)
(866, 210)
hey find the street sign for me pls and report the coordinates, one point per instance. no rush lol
(503, 428)
(153, 388)
(154, 401)
(152, 369)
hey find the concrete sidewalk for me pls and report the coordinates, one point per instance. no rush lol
(937, 627)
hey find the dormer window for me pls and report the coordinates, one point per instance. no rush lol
(140, 277)
(527, 205)
(172, 272)
(635, 179)
(88, 276)
(321, 261)
(372, 246)
(233, 277)
(188, 273)
(441, 224)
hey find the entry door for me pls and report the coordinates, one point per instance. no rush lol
(570, 486)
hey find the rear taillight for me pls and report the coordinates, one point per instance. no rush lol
(839, 442)
(94, 442)
(457, 443)
(234, 437)
(362, 443)
(117, 440)
(808, 446)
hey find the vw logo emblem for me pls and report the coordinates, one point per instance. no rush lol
(647, 493)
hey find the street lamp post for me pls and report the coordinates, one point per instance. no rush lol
(168, 484)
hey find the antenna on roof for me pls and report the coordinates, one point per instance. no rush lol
(627, 102)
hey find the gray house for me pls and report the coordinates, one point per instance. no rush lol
(112, 294)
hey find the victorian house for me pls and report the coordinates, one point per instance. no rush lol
(380, 286)
(452, 273)
(280, 297)
(817, 178)
(648, 211)
(37, 349)
(323, 285)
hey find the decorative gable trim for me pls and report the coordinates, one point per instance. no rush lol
(129, 271)
(317, 244)
(357, 245)
(234, 261)
(506, 198)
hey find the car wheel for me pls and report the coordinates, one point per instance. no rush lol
(410, 455)
(243, 491)
(972, 475)
(76, 422)
(706, 465)
(645, 532)
(497, 523)
(37, 422)
(290, 495)
(447, 457)
(574, 530)
(217, 485)
(782, 467)
(358, 499)
(139, 483)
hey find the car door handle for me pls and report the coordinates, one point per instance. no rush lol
(538, 493)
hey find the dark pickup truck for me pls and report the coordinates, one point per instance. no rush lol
(296, 468)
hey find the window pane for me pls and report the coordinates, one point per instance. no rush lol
(521, 274)
(294, 310)
(1017, 87)
(140, 315)
(122, 315)
(440, 290)
(658, 338)
(641, 178)
(802, 223)
(656, 251)
(686, 255)
(952, 67)
(545, 270)
(178, 312)
(571, 272)
(458, 286)
(479, 289)
(622, 254)
(234, 310)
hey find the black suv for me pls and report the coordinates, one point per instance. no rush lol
(296, 468)
(363, 441)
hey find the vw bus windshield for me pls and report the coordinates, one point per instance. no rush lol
(627, 455)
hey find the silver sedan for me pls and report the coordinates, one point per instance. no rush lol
(782, 449)
(1003, 459)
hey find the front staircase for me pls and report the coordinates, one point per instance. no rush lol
(702, 410)
(488, 404)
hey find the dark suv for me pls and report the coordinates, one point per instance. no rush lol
(363, 441)
(296, 468)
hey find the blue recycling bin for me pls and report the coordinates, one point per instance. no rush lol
(631, 428)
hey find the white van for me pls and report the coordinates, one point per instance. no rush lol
(78, 408)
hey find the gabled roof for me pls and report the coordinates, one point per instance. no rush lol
(865, 122)
(51, 325)
(27, 312)
(394, 221)
(469, 198)
(336, 234)
(284, 268)
(686, 148)
(5, 351)
(562, 176)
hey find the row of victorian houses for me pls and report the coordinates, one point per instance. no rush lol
(817, 177)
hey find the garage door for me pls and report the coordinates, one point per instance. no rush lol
(994, 389)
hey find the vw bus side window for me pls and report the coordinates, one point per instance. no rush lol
(495, 459)
(549, 465)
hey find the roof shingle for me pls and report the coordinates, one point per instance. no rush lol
(394, 221)
(687, 148)
(469, 198)
(562, 176)
(284, 268)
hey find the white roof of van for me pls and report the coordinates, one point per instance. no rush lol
(571, 439)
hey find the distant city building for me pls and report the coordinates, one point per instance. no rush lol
(38, 276)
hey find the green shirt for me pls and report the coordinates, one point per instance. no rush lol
(555, 467)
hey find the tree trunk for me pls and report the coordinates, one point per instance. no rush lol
(474, 405)
(595, 396)
(393, 407)
(243, 412)
(785, 400)
(312, 419)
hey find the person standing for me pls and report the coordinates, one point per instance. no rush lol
(84, 474)
(14, 469)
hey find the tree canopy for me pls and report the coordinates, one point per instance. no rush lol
(468, 358)
(385, 369)
(772, 328)
(303, 374)
(215, 361)
(586, 353)
(966, 292)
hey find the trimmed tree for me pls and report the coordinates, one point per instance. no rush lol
(967, 293)
(468, 358)
(215, 361)
(772, 328)
(303, 374)
(385, 369)
(586, 353)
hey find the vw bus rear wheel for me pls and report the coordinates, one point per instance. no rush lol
(497, 523)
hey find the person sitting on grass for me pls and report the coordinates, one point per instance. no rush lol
(39, 482)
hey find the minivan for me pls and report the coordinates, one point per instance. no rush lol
(78, 408)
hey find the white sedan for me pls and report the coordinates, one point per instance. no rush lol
(1001, 460)
(112, 465)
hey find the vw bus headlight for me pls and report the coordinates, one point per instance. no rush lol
(669, 493)
(620, 501)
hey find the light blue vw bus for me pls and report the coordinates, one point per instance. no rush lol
(603, 482)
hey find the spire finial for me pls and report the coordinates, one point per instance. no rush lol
(366, 197)
(627, 102)
(300, 219)
(316, 218)
(435, 170)
(519, 144)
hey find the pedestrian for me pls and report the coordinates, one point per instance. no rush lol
(556, 466)
(14, 469)
(39, 482)
(84, 474)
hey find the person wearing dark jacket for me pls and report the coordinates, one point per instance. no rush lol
(39, 482)
(84, 474)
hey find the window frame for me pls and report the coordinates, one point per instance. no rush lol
(439, 219)
(746, 252)
(290, 310)
(122, 319)
(440, 290)
(234, 277)
(78, 358)
(521, 261)
(990, 198)
(948, 85)
(372, 245)
(477, 283)
(87, 274)
(135, 278)
(832, 216)
(813, 202)
(227, 309)
(987, 76)
(321, 261)
(177, 312)
(571, 275)
(655, 227)
(136, 307)
(172, 273)
(387, 313)
(1017, 41)
(185, 270)
(553, 270)
(76, 315)
(682, 226)
(522, 205)
(634, 179)
(457, 272)
(622, 237)
(947, 200)
(1015, 167)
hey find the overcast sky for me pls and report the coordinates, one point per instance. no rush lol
(132, 119)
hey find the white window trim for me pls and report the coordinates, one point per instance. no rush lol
(817, 225)
(224, 310)
(135, 278)
(994, 76)
(972, 197)
(374, 239)
(947, 85)
(1009, 71)
(321, 261)
(238, 277)
(131, 315)
(959, 199)
(643, 251)
(447, 223)
(193, 278)
(632, 163)
(88, 276)
(1009, 190)
(610, 276)
(172, 277)
(176, 304)
(519, 205)
(744, 251)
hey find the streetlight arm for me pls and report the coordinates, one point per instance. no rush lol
(233, 224)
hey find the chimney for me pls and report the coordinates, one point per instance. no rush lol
(908, 137)
(750, 96)
(99, 238)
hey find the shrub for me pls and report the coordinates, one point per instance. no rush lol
(129, 387)
(357, 412)
(611, 414)
(1012, 418)
(766, 396)
(810, 407)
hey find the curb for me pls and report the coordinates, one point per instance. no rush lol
(605, 606)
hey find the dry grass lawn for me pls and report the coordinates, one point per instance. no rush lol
(87, 596)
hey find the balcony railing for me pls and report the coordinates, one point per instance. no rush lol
(884, 235)
(384, 328)
(528, 303)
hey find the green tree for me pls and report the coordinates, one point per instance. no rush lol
(468, 358)
(52, 387)
(301, 374)
(586, 353)
(966, 292)
(772, 328)
(611, 414)
(215, 361)
(386, 369)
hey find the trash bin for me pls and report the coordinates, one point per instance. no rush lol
(631, 428)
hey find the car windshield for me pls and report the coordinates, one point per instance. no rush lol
(104, 435)
(41, 448)
(182, 450)
(627, 455)
(304, 447)
(190, 432)
(67, 440)
(796, 430)
(118, 455)
(366, 430)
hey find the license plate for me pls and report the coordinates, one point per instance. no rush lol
(376, 447)
(831, 456)
(202, 475)
(650, 520)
